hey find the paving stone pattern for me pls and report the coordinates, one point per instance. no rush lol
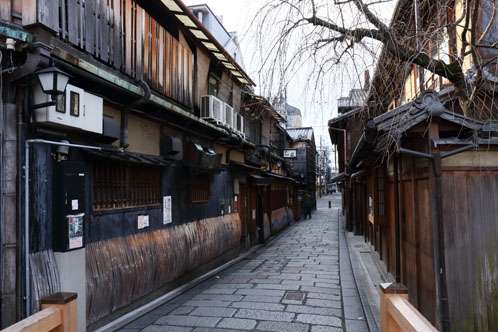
(291, 284)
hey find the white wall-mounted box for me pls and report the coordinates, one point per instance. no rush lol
(75, 109)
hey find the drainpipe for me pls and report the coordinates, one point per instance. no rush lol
(396, 219)
(124, 138)
(26, 206)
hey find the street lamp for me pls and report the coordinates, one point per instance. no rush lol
(53, 81)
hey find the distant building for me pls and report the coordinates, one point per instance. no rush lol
(356, 98)
(214, 24)
(293, 117)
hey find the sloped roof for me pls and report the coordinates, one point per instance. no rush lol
(390, 126)
(301, 134)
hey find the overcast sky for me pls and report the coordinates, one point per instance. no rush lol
(237, 15)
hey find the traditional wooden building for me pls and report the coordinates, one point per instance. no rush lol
(423, 179)
(142, 172)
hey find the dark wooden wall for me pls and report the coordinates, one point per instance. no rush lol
(470, 204)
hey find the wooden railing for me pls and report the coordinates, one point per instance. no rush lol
(58, 314)
(121, 34)
(397, 314)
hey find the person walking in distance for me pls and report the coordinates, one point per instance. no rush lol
(307, 206)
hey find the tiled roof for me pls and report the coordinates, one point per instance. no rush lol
(301, 134)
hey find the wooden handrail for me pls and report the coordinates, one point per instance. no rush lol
(43, 321)
(58, 315)
(397, 314)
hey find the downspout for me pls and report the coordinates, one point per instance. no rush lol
(396, 219)
(124, 137)
(26, 206)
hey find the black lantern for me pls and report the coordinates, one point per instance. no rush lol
(53, 81)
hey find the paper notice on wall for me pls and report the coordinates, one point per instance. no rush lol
(75, 230)
(253, 214)
(167, 210)
(143, 221)
(74, 204)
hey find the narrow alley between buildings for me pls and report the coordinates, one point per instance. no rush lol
(298, 281)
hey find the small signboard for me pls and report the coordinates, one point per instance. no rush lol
(143, 221)
(290, 153)
(75, 230)
(167, 210)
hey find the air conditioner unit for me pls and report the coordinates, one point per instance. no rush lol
(229, 116)
(76, 108)
(212, 109)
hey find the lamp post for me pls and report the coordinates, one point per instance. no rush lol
(53, 82)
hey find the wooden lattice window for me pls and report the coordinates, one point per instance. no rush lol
(118, 184)
(199, 190)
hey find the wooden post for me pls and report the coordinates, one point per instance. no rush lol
(66, 302)
(386, 291)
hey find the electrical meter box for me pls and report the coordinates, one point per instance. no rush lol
(68, 206)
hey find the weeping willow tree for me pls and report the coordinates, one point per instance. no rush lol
(439, 42)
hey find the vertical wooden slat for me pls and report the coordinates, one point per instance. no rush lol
(174, 71)
(72, 21)
(128, 36)
(90, 26)
(190, 79)
(48, 14)
(139, 52)
(28, 12)
(167, 66)
(146, 43)
(153, 53)
(117, 39)
(5, 10)
(104, 30)
(161, 59)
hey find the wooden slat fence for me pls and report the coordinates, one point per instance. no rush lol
(122, 35)
(122, 270)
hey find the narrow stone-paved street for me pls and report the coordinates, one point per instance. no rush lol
(291, 284)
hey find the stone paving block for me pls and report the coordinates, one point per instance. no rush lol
(189, 321)
(228, 285)
(266, 299)
(182, 310)
(321, 296)
(163, 328)
(237, 323)
(206, 303)
(289, 276)
(265, 315)
(321, 290)
(214, 297)
(261, 292)
(298, 282)
(318, 328)
(258, 305)
(277, 286)
(324, 303)
(219, 291)
(303, 309)
(213, 312)
(280, 327)
(203, 329)
(319, 320)
(264, 281)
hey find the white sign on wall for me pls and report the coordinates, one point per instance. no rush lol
(290, 153)
(143, 221)
(167, 210)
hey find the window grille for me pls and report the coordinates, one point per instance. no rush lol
(199, 190)
(118, 184)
